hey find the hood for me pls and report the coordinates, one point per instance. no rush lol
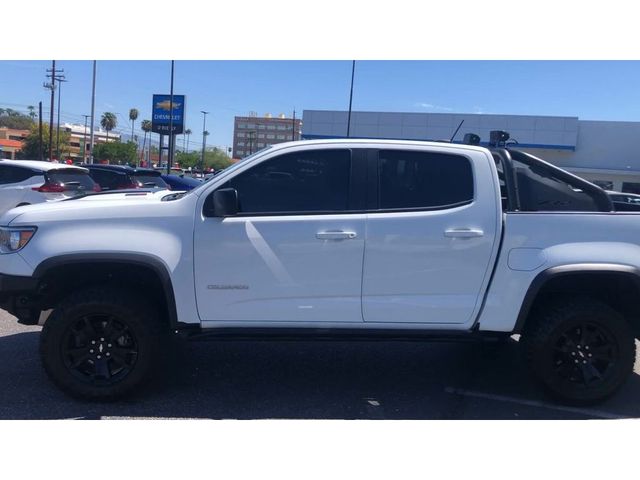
(92, 206)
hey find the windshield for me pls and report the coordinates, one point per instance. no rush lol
(231, 168)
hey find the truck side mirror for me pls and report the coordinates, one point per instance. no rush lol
(225, 203)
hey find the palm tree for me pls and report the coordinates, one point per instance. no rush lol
(146, 128)
(133, 116)
(32, 112)
(187, 132)
(108, 122)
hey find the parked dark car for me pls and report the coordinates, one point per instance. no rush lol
(121, 177)
(624, 202)
(178, 182)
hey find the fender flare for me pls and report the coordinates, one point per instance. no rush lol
(565, 270)
(138, 259)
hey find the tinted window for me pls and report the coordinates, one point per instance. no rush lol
(539, 191)
(14, 174)
(109, 180)
(71, 179)
(312, 181)
(423, 179)
(631, 187)
(150, 180)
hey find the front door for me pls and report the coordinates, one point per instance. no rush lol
(294, 252)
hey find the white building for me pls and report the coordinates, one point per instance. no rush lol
(603, 152)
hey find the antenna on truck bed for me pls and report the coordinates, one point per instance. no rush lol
(456, 132)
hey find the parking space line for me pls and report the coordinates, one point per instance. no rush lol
(535, 403)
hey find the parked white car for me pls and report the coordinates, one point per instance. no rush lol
(25, 182)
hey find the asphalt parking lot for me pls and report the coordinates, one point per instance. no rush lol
(306, 380)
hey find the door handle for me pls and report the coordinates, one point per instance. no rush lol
(463, 232)
(335, 235)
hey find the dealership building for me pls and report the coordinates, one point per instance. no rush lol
(602, 152)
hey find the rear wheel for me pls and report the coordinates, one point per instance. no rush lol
(581, 349)
(101, 343)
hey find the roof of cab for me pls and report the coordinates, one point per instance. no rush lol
(376, 141)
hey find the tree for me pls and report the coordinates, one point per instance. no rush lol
(32, 112)
(186, 160)
(11, 119)
(108, 122)
(187, 132)
(30, 146)
(146, 128)
(133, 116)
(116, 152)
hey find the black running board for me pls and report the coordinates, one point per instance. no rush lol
(337, 334)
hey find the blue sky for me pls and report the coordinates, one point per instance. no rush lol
(591, 90)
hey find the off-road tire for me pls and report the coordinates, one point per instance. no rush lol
(143, 337)
(557, 353)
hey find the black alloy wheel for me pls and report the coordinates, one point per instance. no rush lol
(586, 354)
(99, 349)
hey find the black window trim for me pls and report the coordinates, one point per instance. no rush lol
(374, 186)
(356, 194)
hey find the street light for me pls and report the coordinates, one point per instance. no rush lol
(204, 137)
(60, 79)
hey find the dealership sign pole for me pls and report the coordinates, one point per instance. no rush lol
(167, 117)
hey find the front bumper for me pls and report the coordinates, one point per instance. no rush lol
(18, 296)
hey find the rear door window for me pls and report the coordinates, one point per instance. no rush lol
(13, 174)
(417, 180)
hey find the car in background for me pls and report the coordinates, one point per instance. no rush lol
(25, 182)
(122, 177)
(624, 202)
(181, 182)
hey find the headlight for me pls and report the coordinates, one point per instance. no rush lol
(13, 239)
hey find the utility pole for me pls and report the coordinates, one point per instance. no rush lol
(40, 151)
(60, 79)
(52, 87)
(84, 140)
(293, 135)
(93, 111)
(204, 137)
(171, 135)
(353, 71)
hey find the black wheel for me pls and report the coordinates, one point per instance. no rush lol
(582, 350)
(101, 343)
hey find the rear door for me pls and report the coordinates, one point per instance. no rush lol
(431, 235)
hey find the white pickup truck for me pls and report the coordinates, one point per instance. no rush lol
(334, 238)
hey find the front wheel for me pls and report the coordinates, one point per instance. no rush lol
(581, 349)
(101, 343)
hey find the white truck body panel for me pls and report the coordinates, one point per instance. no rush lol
(399, 271)
(552, 240)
